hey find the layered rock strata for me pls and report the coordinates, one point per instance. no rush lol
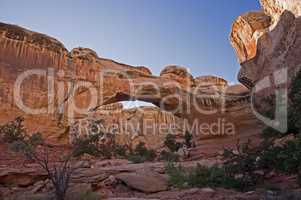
(58, 87)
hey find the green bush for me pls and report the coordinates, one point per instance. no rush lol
(267, 157)
(37, 150)
(201, 176)
(13, 131)
(88, 145)
(120, 151)
(171, 143)
(244, 163)
(169, 156)
(142, 154)
(188, 139)
(285, 158)
(136, 158)
(177, 176)
(93, 146)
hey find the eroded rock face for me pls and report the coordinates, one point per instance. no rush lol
(275, 8)
(149, 125)
(266, 49)
(84, 53)
(20, 177)
(245, 33)
(76, 78)
(211, 81)
(179, 74)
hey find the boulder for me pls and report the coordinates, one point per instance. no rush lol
(22, 178)
(144, 182)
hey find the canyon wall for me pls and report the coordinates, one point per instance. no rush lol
(59, 87)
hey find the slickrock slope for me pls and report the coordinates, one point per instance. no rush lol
(268, 41)
(80, 78)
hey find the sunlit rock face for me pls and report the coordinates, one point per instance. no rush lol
(179, 74)
(245, 33)
(141, 124)
(269, 46)
(211, 82)
(275, 8)
(74, 79)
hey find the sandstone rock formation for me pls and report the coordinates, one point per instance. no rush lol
(275, 8)
(78, 84)
(143, 124)
(267, 42)
(245, 32)
(210, 82)
(19, 177)
(152, 184)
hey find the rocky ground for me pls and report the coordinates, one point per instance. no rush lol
(116, 179)
(111, 179)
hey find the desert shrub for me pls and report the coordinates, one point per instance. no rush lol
(169, 156)
(294, 111)
(27, 145)
(120, 151)
(59, 172)
(267, 157)
(285, 158)
(148, 154)
(177, 176)
(13, 131)
(171, 143)
(93, 145)
(88, 145)
(252, 164)
(188, 139)
(173, 146)
(34, 148)
(136, 158)
(213, 177)
(142, 154)
(100, 144)
(243, 162)
(141, 149)
(59, 176)
(201, 176)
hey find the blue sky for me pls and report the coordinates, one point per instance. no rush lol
(152, 33)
